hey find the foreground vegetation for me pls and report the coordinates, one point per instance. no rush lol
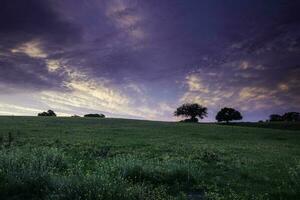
(89, 158)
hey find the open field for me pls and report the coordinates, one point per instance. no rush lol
(79, 158)
(273, 125)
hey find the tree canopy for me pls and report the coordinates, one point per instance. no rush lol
(191, 111)
(49, 113)
(95, 115)
(228, 114)
(275, 118)
(289, 116)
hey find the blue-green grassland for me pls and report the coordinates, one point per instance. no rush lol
(90, 158)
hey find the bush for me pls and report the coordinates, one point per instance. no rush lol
(209, 156)
(95, 115)
(49, 113)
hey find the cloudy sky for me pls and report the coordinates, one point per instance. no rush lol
(142, 59)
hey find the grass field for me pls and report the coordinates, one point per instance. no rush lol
(79, 158)
(274, 125)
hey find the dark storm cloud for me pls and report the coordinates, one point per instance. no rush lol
(25, 21)
(249, 47)
(35, 74)
(280, 31)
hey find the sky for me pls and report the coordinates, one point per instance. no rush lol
(143, 59)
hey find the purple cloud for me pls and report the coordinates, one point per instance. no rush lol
(151, 56)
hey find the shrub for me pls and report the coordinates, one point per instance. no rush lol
(209, 156)
(49, 113)
(95, 115)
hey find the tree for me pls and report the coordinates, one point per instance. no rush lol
(275, 118)
(49, 113)
(192, 111)
(95, 115)
(43, 114)
(291, 116)
(228, 114)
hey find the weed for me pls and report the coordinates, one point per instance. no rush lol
(9, 139)
(103, 152)
(209, 156)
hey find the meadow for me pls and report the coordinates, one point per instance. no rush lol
(89, 158)
(273, 125)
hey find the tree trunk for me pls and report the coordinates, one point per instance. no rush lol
(194, 119)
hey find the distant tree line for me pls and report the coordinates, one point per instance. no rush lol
(193, 112)
(51, 113)
(289, 116)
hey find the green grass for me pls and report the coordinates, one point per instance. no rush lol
(79, 158)
(274, 125)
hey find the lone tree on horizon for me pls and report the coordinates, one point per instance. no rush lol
(228, 114)
(193, 111)
(49, 113)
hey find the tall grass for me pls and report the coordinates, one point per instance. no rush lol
(47, 173)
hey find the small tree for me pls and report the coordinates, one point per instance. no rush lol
(95, 115)
(49, 113)
(228, 114)
(192, 111)
(275, 118)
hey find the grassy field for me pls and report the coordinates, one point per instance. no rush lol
(274, 125)
(79, 158)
